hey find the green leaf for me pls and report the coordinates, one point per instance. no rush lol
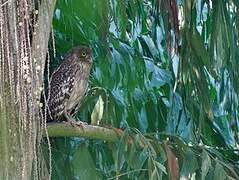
(219, 172)
(206, 164)
(83, 165)
(190, 164)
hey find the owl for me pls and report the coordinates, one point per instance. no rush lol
(68, 84)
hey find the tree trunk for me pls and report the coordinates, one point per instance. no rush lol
(24, 33)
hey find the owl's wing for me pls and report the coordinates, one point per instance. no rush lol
(61, 84)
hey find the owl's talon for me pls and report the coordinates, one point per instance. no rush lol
(78, 124)
(72, 122)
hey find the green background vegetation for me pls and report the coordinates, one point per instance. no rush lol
(173, 87)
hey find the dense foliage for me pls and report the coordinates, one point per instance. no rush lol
(167, 74)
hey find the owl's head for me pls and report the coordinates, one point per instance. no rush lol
(82, 53)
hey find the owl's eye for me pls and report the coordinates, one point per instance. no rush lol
(83, 54)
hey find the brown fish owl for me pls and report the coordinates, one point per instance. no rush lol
(69, 83)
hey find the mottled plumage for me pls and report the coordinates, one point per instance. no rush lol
(68, 83)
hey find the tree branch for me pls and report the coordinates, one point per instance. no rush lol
(86, 131)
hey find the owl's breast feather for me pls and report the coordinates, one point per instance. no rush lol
(79, 88)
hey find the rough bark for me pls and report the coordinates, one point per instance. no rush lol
(24, 33)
